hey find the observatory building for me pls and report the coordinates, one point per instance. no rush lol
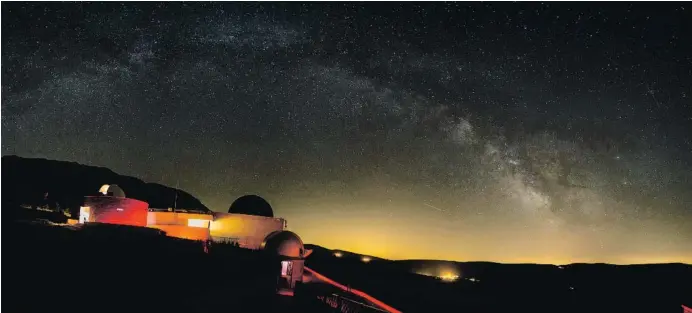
(249, 220)
(112, 207)
(249, 223)
(186, 225)
(289, 248)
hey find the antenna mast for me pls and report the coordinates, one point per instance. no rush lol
(175, 202)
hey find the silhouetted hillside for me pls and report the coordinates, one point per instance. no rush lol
(27, 181)
(319, 251)
(413, 286)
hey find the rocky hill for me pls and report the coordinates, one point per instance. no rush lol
(41, 182)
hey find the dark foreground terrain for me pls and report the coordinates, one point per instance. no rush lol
(107, 268)
(531, 288)
(120, 269)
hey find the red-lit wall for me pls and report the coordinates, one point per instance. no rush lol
(114, 210)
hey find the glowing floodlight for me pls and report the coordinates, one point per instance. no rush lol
(84, 213)
(197, 223)
(366, 259)
(338, 254)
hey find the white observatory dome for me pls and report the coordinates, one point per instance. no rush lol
(112, 190)
(284, 243)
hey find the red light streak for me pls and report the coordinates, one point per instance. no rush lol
(356, 292)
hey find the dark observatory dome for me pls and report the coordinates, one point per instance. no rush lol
(251, 205)
(285, 243)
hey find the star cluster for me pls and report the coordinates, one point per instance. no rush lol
(511, 132)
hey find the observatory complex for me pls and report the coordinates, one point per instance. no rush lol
(249, 223)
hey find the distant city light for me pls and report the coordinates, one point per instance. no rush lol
(448, 277)
(366, 259)
(338, 254)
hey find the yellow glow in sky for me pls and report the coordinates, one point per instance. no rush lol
(513, 238)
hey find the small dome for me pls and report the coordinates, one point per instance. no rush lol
(251, 205)
(112, 190)
(284, 243)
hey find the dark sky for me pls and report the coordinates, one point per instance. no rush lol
(512, 132)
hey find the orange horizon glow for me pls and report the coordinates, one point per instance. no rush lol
(506, 239)
(385, 251)
(633, 260)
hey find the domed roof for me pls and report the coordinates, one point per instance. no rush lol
(251, 205)
(284, 243)
(112, 190)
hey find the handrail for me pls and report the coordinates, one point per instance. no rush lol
(359, 303)
(356, 292)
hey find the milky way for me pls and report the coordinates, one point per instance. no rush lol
(521, 132)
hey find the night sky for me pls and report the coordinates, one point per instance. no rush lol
(509, 132)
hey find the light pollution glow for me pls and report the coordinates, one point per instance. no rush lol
(515, 237)
(497, 204)
(502, 209)
(498, 147)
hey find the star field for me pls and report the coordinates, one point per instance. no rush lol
(509, 132)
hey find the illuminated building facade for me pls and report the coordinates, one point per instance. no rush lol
(112, 207)
(248, 231)
(186, 225)
(250, 223)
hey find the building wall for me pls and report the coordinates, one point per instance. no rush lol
(178, 218)
(248, 230)
(114, 210)
(184, 232)
(193, 226)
